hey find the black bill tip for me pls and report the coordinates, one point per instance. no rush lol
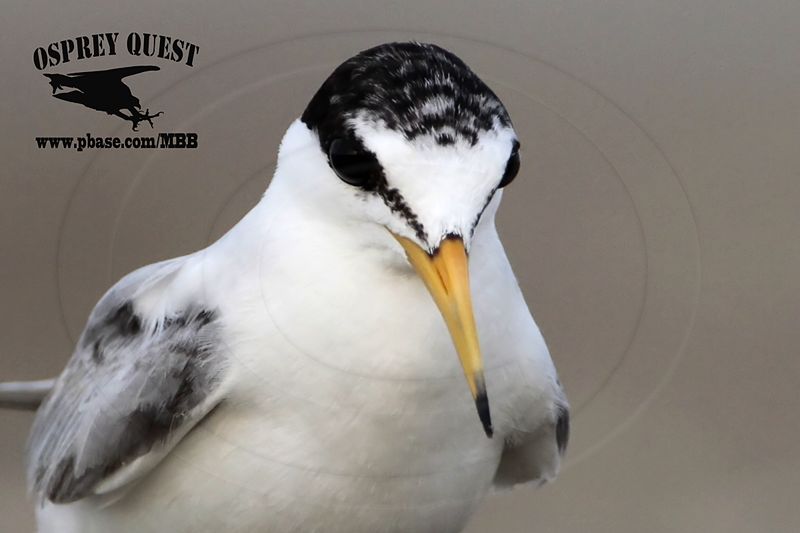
(482, 404)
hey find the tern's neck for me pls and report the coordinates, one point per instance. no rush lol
(306, 208)
(304, 214)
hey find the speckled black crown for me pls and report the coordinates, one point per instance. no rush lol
(413, 88)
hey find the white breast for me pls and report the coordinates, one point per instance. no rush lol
(349, 406)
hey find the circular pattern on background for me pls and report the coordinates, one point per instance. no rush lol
(597, 226)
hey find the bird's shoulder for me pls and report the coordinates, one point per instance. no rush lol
(148, 366)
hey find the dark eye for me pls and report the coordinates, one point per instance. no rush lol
(354, 165)
(512, 167)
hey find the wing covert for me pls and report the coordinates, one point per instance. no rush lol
(135, 384)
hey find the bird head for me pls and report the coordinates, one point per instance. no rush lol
(413, 142)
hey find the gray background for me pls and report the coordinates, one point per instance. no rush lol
(653, 227)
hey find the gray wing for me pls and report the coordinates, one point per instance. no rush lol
(133, 387)
(536, 456)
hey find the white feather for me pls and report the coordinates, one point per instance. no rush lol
(347, 410)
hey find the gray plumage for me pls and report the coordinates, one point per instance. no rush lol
(133, 383)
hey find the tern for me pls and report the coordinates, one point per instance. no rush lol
(305, 372)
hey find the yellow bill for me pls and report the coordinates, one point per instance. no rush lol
(446, 275)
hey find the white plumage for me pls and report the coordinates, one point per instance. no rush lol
(324, 392)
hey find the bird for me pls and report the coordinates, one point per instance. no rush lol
(354, 355)
(104, 90)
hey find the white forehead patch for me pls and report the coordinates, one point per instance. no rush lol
(445, 186)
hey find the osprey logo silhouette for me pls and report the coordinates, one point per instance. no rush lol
(104, 90)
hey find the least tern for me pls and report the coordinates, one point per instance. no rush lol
(306, 371)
